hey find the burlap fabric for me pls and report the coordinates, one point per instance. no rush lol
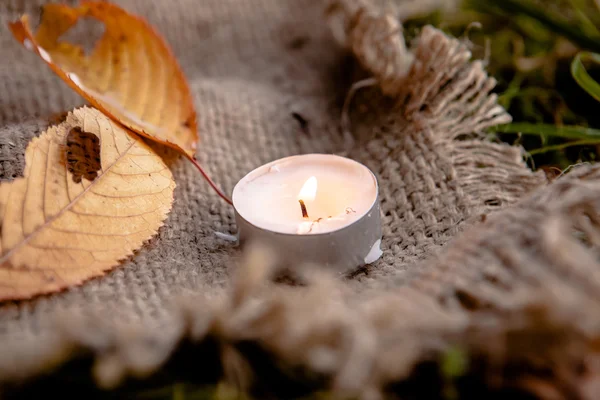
(478, 250)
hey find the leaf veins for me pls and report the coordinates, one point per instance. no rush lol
(58, 229)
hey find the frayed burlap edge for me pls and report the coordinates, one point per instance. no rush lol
(363, 343)
(429, 110)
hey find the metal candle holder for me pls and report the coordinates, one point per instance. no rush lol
(340, 250)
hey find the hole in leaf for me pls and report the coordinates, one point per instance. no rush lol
(85, 34)
(83, 154)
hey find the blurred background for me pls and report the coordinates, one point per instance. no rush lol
(543, 54)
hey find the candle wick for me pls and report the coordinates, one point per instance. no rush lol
(303, 207)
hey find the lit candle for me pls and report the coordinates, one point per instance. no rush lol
(317, 208)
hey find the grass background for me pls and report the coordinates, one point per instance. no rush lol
(542, 54)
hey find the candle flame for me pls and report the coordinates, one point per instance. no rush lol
(309, 190)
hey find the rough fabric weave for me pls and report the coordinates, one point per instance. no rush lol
(269, 80)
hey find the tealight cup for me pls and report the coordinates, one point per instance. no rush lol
(315, 208)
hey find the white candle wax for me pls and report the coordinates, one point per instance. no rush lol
(335, 190)
(317, 208)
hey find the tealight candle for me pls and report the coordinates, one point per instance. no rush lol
(318, 208)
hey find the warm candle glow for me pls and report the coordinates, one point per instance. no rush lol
(320, 192)
(309, 190)
(339, 227)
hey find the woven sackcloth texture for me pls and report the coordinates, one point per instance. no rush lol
(468, 228)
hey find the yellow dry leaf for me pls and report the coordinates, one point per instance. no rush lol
(130, 75)
(92, 193)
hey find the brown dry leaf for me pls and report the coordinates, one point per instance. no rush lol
(130, 75)
(92, 193)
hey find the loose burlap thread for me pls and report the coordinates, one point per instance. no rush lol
(478, 249)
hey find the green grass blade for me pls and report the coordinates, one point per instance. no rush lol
(562, 146)
(552, 21)
(586, 23)
(582, 77)
(548, 130)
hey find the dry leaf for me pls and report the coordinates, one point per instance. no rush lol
(130, 75)
(92, 193)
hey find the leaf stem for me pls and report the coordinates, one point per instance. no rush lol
(210, 181)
